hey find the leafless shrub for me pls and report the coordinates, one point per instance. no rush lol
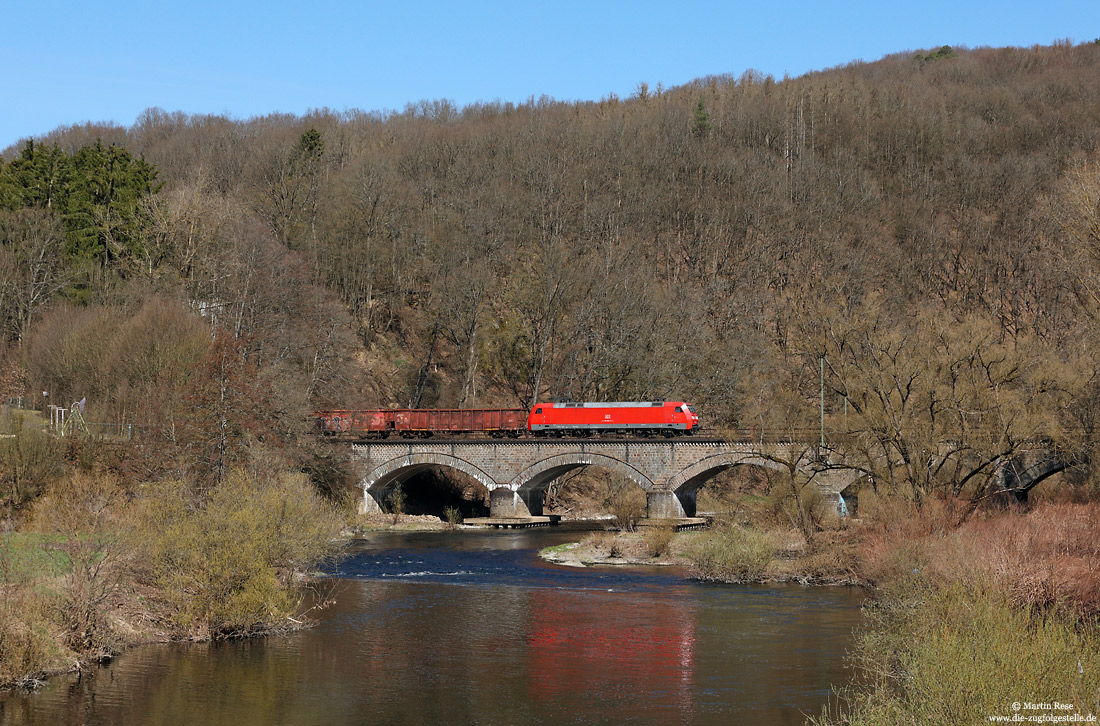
(656, 541)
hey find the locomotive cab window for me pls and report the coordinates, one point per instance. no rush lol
(538, 410)
(679, 410)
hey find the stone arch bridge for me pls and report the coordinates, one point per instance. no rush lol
(517, 472)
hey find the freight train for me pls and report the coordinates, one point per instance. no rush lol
(638, 418)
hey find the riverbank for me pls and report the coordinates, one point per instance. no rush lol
(366, 523)
(98, 568)
(972, 617)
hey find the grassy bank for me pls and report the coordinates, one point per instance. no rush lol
(971, 611)
(962, 652)
(969, 619)
(100, 566)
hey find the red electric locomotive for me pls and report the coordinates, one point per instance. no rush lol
(645, 418)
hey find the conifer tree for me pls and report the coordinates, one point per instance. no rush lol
(700, 127)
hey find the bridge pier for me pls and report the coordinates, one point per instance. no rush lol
(663, 504)
(503, 502)
(368, 504)
(533, 498)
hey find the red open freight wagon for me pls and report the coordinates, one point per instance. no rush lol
(423, 422)
(505, 421)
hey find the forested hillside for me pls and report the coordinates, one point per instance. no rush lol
(925, 225)
(904, 253)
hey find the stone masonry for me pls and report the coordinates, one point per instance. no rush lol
(517, 472)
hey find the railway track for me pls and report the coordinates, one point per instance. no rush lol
(534, 441)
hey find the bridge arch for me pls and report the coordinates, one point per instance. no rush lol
(539, 475)
(1018, 476)
(385, 475)
(1043, 472)
(689, 479)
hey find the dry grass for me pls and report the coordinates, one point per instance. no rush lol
(731, 554)
(29, 648)
(657, 541)
(832, 557)
(1047, 558)
(607, 544)
(972, 616)
(895, 535)
(959, 653)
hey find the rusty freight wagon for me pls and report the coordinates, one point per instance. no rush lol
(423, 422)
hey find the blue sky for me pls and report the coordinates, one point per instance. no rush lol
(69, 62)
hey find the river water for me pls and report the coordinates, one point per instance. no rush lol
(472, 628)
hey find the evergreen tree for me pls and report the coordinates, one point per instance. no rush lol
(98, 193)
(700, 127)
(104, 216)
(40, 177)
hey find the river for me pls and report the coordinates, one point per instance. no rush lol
(472, 628)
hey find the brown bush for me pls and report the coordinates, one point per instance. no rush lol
(84, 511)
(656, 541)
(28, 650)
(122, 359)
(1048, 558)
(894, 534)
(29, 461)
(625, 512)
(606, 543)
(830, 557)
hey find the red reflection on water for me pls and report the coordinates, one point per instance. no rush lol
(595, 646)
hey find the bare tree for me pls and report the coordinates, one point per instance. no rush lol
(32, 271)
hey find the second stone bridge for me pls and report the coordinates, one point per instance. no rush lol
(517, 472)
